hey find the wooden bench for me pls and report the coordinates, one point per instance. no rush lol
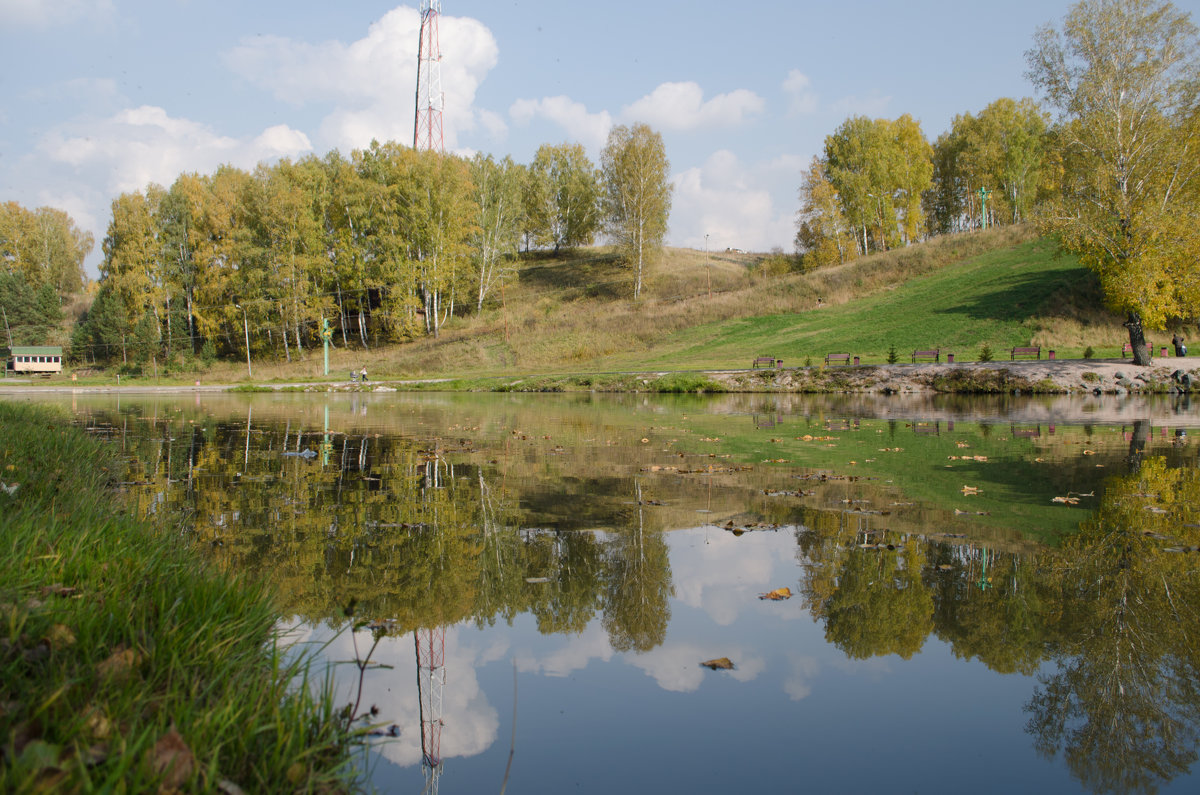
(831, 358)
(766, 361)
(1033, 350)
(935, 354)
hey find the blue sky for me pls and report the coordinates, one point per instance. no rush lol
(105, 96)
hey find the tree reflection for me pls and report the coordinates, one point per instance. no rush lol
(1124, 705)
(637, 605)
(881, 605)
(866, 586)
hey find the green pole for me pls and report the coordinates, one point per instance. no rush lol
(326, 334)
(326, 445)
(983, 194)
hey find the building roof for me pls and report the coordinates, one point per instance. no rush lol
(34, 350)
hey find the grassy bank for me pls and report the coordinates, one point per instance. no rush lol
(125, 664)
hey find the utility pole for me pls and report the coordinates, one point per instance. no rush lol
(707, 265)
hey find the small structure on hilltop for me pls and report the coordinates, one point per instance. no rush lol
(32, 359)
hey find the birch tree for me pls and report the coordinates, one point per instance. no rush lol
(636, 195)
(1123, 76)
(565, 212)
(497, 187)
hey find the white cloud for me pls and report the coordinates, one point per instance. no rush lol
(370, 81)
(574, 655)
(138, 146)
(681, 106)
(804, 669)
(720, 579)
(589, 129)
(48, 13)
(733, 204)
(801, 97)
(677, 667)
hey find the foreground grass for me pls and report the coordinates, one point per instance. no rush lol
(125, 664)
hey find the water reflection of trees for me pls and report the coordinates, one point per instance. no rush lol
(1124, 705)
(1116, 610)
(412, 536)
(403, 532)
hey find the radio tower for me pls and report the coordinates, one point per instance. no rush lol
(427, 125)
(430, 646)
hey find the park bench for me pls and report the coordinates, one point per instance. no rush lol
(1033, 350)
(935, 354)
(766, 361)
(831, 358)
(1127, 349)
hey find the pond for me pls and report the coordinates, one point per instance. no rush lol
(894, 594)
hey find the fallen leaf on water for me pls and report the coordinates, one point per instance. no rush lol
(970, 490)
(1066, 500)
(719, 664)
(777, 594)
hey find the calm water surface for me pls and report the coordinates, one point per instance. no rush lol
(986, 596)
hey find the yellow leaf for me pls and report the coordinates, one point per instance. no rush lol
(777, 594)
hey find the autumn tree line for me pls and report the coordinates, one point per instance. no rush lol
(387, 244)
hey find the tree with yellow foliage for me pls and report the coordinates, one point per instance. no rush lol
(1124, 76)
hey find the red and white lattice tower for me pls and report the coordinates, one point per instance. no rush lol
(427, 126)
(431, 679)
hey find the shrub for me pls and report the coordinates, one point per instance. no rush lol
(208, 353)
(892, 356)
(680, 383)
(985, 353)
(1088, 352)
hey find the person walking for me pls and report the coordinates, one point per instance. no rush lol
(1180, 347)
(362, 374)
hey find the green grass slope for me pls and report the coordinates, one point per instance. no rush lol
(1017, 295)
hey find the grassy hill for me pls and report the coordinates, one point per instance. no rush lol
(573, 313)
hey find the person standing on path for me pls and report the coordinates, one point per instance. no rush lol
(1180, 347)
(363, 375)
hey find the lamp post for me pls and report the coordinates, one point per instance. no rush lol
(246, 326)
